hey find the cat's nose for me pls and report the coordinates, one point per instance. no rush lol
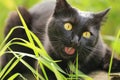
(75, 40)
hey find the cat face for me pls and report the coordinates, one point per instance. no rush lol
(71, 31)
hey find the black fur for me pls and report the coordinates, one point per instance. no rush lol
(47, 20)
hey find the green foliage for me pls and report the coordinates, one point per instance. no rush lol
(116, 45)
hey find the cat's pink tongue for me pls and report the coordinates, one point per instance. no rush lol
(69, 50)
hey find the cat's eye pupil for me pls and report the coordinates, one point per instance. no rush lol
(68, 26)
(86, 34)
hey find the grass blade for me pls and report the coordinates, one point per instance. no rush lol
(8, 35)
(111, 60)
(16, 75)
(11, 67)
(6, 67)
(58, 75)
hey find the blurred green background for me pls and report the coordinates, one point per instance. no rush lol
(7, 6)
(109, 29)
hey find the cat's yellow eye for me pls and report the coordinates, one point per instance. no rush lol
(86, 34)
(68, 26)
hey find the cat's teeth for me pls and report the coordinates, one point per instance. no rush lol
(69, 50)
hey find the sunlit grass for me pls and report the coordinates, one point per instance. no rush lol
(116, 45)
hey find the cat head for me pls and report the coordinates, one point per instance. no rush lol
(72, 31)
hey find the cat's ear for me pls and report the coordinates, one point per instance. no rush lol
(101, 15)
(61, 6)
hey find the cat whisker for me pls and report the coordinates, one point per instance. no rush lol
(93, 48)
(85, 51)
(82, 53)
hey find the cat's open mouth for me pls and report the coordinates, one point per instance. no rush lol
(69, 50)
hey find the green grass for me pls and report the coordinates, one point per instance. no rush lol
(41, 56)
(116, 45)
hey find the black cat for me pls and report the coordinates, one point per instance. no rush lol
(64, 32)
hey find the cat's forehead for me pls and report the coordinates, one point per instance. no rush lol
(78, 16)
(85, 14)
